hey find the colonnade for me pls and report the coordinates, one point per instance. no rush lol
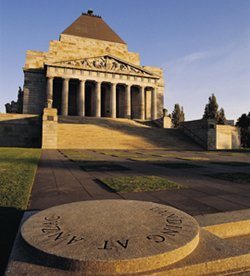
(97, 98)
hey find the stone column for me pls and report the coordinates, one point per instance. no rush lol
(154, 104)
(97, 110)
(65, 97)
(113, 100)
(141, 103)
(127, 104)
(81, 98)
(49, 128)
(49, 92)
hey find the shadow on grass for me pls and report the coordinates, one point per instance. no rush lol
(177, 165)
(231, 163)
(9, 220)
(237, 177)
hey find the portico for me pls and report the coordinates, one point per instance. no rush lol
(127, 92)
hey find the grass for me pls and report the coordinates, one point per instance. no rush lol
(17, 171)
(126, 184)
(177, 165)
(242, 178)
(194, 158)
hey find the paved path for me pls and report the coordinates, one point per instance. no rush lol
(59, 180)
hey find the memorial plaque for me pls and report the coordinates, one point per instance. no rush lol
(112, 236)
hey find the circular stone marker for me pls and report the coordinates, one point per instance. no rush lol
(112, 236)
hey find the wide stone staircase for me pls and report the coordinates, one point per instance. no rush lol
(107, 133)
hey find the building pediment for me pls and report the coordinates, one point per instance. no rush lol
(105, 63)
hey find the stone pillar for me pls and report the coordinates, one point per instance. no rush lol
(49, 92)
(113, 100)
(97, 110)
(141, 103)
(65, 97)
(81, 98)
(49, 128)
(127, 104)
(167, 123)
(154, 104)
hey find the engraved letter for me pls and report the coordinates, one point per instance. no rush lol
(105, 246)
(59, 236)
(156, 238)
(173, 219)
(56, 228)
(74, 239)
(170, 232)
(123, 244)
(52, 218)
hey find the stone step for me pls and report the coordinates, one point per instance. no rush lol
(105, 133)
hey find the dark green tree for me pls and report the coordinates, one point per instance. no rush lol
(211, 109)
(243, 123)
(178, 115)
(221, 120)
(212, 112)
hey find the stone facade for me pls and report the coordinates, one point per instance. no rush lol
(212, 136)
(88, 76)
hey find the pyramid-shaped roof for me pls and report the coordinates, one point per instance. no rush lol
(92, 26)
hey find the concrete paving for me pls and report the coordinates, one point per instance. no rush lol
(59, 180)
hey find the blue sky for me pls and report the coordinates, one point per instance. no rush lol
(203, 46)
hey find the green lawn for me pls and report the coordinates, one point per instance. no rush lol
(238, 177)
(17, 171)
(125, 184)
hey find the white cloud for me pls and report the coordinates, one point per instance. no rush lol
(196, 56)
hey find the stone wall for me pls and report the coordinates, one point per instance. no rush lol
(73, 47)
(227, 137)
(34, 92)
(212, 136)
(197, 130)
(19, 130)
(160, 88)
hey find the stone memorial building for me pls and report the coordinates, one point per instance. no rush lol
(90, 72)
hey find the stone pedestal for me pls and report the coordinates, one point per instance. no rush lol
(49, 128)
(112, 236)
(167, 123)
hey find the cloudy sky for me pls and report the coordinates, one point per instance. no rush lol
(203, 46)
